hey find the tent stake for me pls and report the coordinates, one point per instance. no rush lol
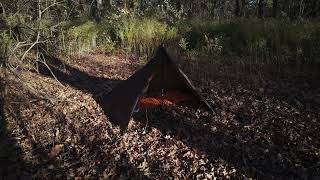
(145, 128)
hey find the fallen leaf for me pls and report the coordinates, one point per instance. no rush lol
(55, 150)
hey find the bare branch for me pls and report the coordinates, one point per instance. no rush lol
(3, 9)
(30, 88)
(44, 62)
(21, 44)
(51, 5)
(36, 42)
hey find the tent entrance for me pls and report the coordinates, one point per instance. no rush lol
(173, 97)
(159, 83)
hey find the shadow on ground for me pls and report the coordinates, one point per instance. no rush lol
(12, 165)
(251, 157)
(254, 157)
(98, 87)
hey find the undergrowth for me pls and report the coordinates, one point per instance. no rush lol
(141, 35)
(254, 41)
(261, 41)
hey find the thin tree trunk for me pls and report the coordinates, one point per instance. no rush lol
(275, 8)
(301, 8)
(237, 11)
(260, 8)
(99, 9)
(243, 7)
(142, 5)
(96, 10)
(213, 8)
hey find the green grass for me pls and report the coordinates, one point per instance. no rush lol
(267, 41)
(142, 35)
(263, 40)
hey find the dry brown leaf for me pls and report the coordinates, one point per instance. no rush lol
(55, 151)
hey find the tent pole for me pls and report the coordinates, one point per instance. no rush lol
(145, 128)
(162, 82)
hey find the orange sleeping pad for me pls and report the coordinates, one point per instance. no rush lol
(169, 98)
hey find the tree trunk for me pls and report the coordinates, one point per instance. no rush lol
(97, 10)
(213, 8)
(301, 8)
(260, 8)
(142, 5)
(237, 11)
(243, 7)
(177, 4)
(275, 8)
(2, 10)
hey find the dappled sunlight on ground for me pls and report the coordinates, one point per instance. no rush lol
(63, 132)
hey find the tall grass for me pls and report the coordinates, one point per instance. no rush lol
(239, 41)
(251, 48)
(138, 36)
(266, 41)
(142, 35)
(81, 38)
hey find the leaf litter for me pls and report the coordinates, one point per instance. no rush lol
(253, 133)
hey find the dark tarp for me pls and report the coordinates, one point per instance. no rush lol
(158, 75)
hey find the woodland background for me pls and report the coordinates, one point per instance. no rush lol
(255, 61)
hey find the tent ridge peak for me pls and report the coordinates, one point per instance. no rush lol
(160, 74)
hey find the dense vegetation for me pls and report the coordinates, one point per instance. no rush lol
(256, 61)
(266, 31)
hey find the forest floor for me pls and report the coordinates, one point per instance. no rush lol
(54, 130)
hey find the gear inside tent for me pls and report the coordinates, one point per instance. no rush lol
(159, 83)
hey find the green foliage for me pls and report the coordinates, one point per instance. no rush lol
(82, 37)
(12, 20)
(250, 39)
(141, 35)
(183, 44)
(108, 45)
(5, 38)
(265, 40)
(5, 41)
(194, 32)
(85, 31)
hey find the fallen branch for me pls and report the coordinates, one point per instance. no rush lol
(31, 89)
(36, 42)
(44, 62)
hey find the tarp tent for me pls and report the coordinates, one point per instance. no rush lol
(159, 83)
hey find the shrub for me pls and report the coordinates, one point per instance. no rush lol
(262, 40)
(84, 32)
(82, 38)
(142, 35)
